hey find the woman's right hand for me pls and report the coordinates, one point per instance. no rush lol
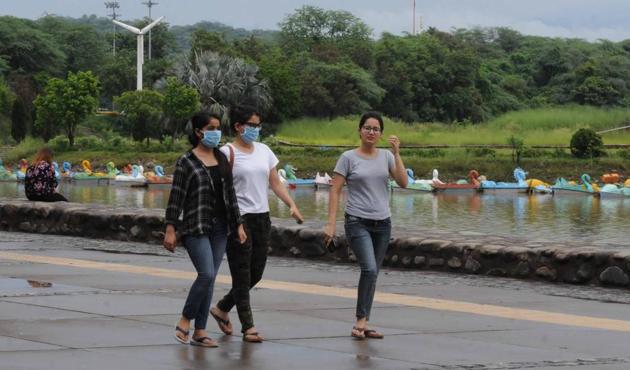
(329, 232)
(170, 239)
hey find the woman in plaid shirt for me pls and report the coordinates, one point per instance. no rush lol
(203, 190)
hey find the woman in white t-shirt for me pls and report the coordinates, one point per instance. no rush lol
(366, 171)
(254, 171)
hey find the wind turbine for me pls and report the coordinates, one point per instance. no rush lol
(140, 33)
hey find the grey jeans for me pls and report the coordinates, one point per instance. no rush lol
(369, 240)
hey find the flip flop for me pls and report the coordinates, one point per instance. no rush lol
(185, 332)
(201, 342)
(224, 325)
(256, 338)
(361, 332)
(373, 334)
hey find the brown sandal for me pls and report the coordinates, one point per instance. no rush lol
(224, 325)
(360, 333)
(373, 334)
(252, 338)
(184, 332)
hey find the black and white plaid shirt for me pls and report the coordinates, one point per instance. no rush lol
(192, 192)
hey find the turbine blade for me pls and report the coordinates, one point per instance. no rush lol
(151, 25)
(127, 27)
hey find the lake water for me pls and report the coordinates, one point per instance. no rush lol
(583, 219)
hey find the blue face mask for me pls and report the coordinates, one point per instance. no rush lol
(250, 135)
(211, 139)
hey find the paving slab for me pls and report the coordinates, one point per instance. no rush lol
(108, 304)
(29, 312)
(88, 333)
(8, 344)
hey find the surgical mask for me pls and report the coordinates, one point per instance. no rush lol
(250, 135)
(211, 139)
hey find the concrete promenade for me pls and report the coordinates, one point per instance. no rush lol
(73, 303)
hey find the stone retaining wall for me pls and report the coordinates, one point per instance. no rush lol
(555, 263)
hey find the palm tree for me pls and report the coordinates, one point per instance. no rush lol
(224, 81)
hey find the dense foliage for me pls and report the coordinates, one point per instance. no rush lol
(321, 63)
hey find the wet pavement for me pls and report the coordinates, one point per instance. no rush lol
(72, 303)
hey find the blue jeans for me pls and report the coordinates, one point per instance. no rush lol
(369, 240)
(206, 253)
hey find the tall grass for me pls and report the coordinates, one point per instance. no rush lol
(544, 126)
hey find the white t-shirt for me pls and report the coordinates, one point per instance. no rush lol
(251, 177)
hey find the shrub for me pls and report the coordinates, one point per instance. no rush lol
(586, 143)
(59, 143)
(482, 152)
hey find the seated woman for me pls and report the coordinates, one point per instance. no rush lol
(40, 182)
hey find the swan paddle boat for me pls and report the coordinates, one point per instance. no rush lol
(6, 175)
(413, 184)
(471, 185)
(88, 176)
(134, 179)
(323, 181)
(288, 173)
(157, 177)
(587, 187)
(520, 186)
(614, 189)
(20, 173)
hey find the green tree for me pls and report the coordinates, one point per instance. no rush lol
(328, 33)
(81, 44)
(586, 143)
(180, 103)
(26, 48)
(19, 121)
(517, 145)
(141, 112)
(338, 89)
(66, 103)
(284, 85)
(117, 74)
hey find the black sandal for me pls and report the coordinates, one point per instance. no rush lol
(201, 342)
(185, 332)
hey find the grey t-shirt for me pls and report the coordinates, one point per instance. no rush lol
(367, 179)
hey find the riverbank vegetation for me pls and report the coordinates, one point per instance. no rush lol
(311, 79)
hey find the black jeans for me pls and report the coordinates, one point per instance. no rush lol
(247, 263)
(54, 197)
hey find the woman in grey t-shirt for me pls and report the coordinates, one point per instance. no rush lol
(366, 171)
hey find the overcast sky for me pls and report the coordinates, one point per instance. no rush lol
(588, 19)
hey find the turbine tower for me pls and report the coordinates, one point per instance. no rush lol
(140, 33)
(150, 4)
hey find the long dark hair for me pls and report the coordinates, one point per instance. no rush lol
(199, 121)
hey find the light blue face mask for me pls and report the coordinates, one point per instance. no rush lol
(250, 135)
(211, 139)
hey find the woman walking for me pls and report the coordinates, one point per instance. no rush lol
(203, 190)
(40, 183)
(366, 171)
(254, 171)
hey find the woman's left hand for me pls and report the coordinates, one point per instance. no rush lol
(395, 143)
(295, 213)
(242, 236)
